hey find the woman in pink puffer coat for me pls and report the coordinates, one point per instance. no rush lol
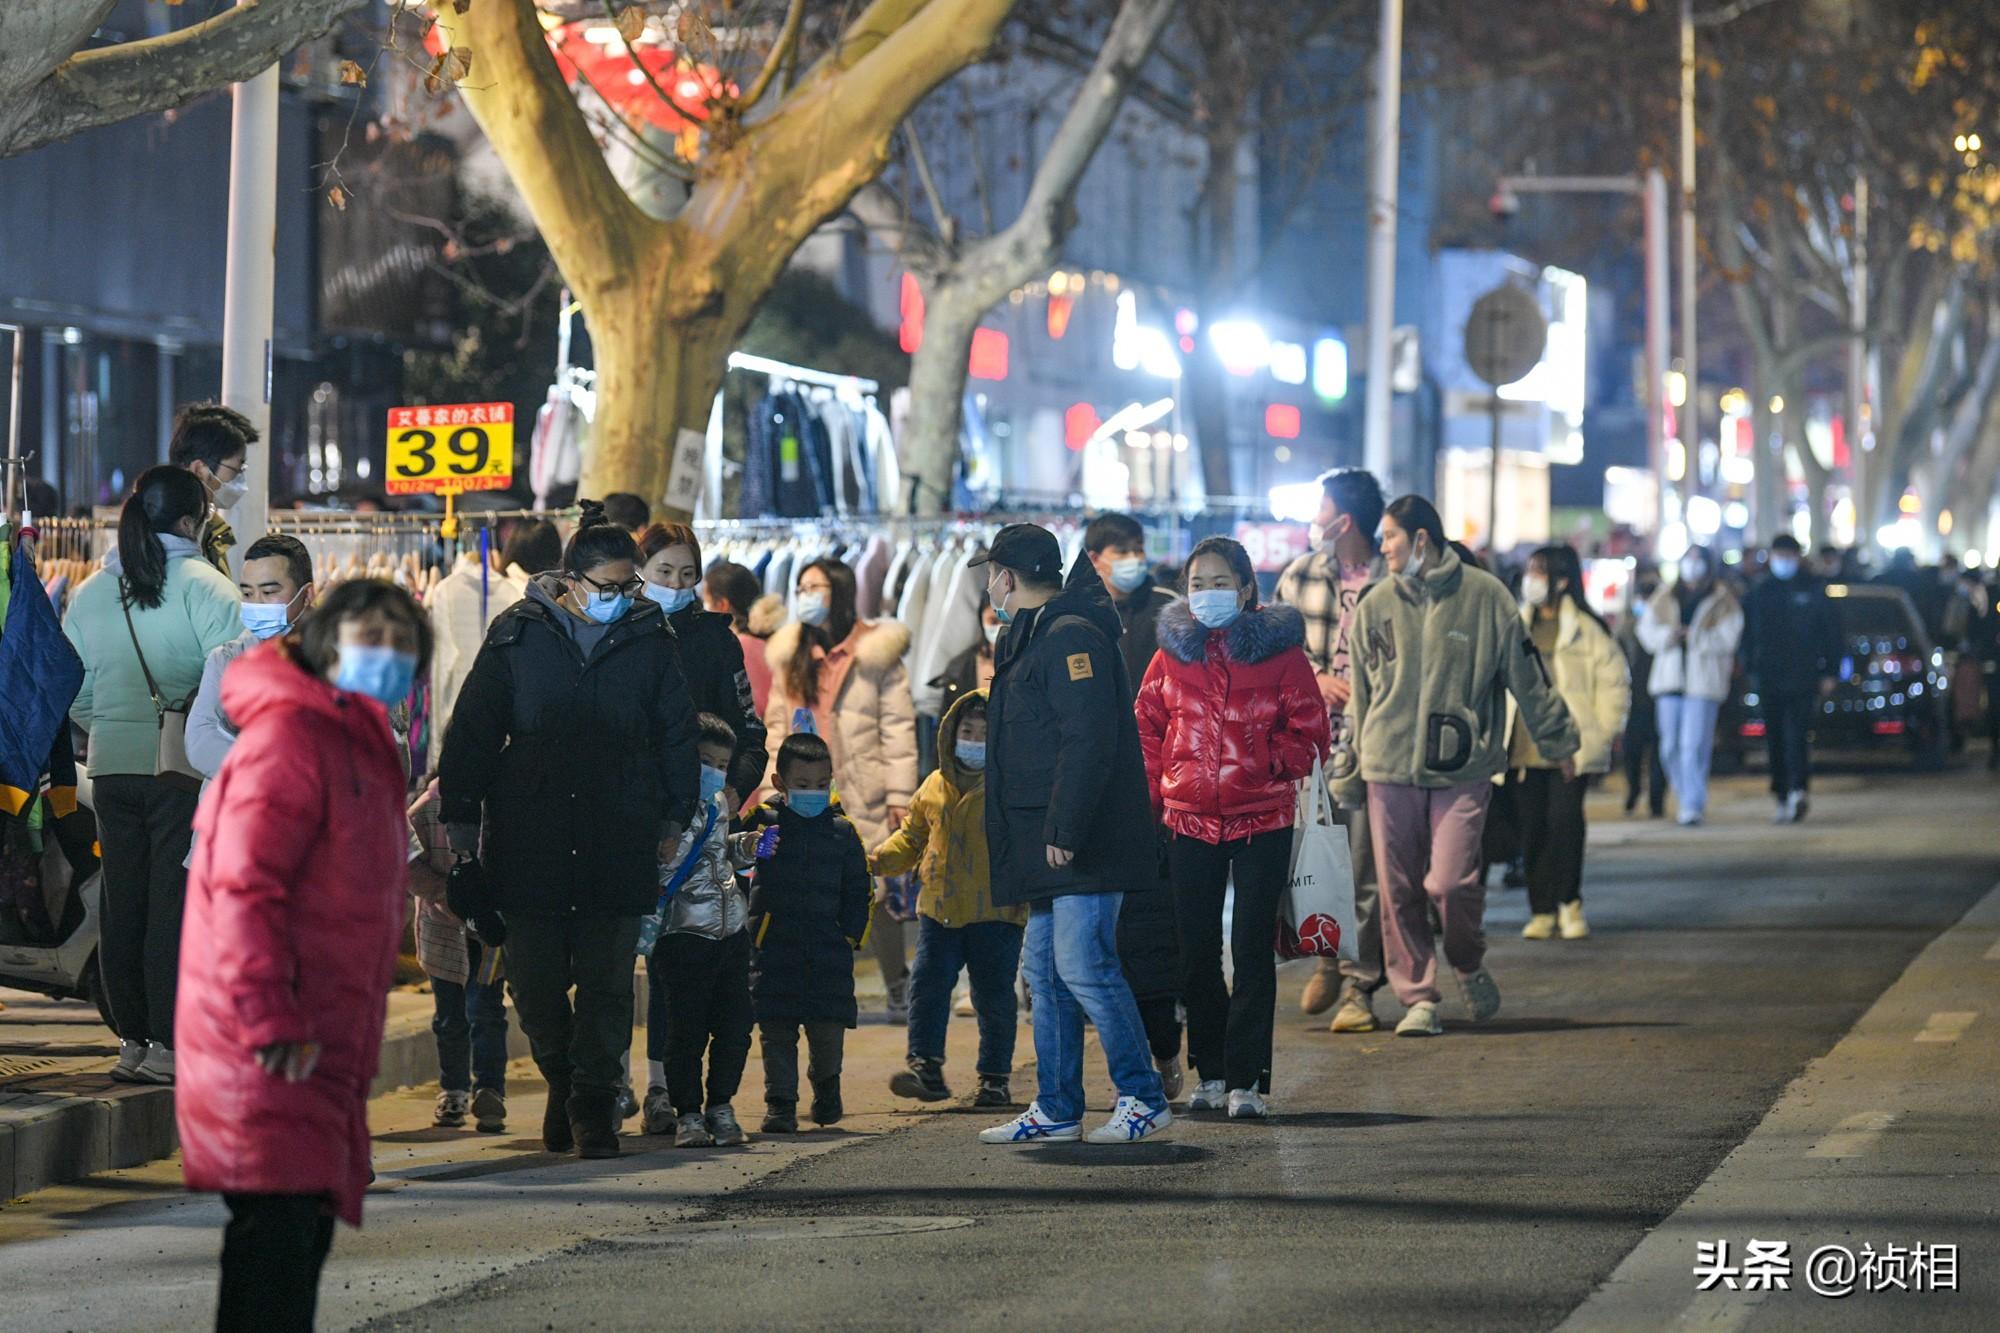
(294, 912)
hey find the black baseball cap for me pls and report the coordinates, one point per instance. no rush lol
(1025, 548)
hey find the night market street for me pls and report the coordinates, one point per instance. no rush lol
(1694, 1072)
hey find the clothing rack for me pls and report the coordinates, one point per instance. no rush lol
(764, 365)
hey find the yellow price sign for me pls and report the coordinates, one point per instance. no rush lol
(451, 449)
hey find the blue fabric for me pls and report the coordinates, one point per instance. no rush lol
(1070, 957)
(1687, 745)
(471, 1031)
(990, 950)
(40, 674)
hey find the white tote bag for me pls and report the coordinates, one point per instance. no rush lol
(1316, 917)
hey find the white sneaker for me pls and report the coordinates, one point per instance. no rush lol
(962, 1006)
(1482, 995)
(1031, 1126)
(1131, 1120)
(1247, 1104)
(130, 1055)
(1574, 927)
(1421, 1021)
(451, 1110)
(158, 1066)
(1212, 1095)
(1173, 1077)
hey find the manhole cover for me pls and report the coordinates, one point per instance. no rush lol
(792, 1229)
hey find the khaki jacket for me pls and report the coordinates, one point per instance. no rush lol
(1434, 658)
(944, 839)
(1594, 682)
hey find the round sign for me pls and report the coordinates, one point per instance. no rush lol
(1505, 334)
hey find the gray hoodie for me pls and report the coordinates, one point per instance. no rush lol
(1434, 658)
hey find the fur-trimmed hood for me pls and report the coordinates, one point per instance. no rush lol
(879, 645)
(767, 614)
(1255, 636)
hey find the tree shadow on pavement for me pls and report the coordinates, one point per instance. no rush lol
(1096, 1155)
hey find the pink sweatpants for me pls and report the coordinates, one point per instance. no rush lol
(1427, 843)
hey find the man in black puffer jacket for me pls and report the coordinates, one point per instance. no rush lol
(1070, 829)
(573, 743)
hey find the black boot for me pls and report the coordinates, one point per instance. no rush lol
(827, 1109)
(556, 1135)
(923, 1080)
(593, 1119)
(781, 1118)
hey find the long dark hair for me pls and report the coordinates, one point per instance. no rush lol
(161, 498)
(597, 541)
(1414, 514)
(1562, 562)
(802, 672)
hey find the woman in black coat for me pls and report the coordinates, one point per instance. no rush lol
(573, 742)
(711, 654)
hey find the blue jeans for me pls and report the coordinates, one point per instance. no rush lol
(1071, 962)
(1687, 745)
(471, 1032)
(990, 950)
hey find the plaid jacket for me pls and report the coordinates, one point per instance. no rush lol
(1311, 584)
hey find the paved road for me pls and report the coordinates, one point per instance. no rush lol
(1495, 1178)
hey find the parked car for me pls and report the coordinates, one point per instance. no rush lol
(1893, 696)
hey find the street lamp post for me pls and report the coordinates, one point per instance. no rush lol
(1690, 422)
(1652, 189)
(249, 272)
(1378, 449)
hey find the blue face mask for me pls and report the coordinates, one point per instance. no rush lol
(267, 620)
(1216, 608)
(812, 608)
(672, 600)
(713, 780)
(604, 610)
(1129, 574)
(382, 673)
(809, 804)
(1784, 567)
(971, 753)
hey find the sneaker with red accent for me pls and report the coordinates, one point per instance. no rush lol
(1132, 1120)
(1031, 1126)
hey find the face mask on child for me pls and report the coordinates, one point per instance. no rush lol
(971, 753)
(713, 780)
(1216, 608)
(809, 804)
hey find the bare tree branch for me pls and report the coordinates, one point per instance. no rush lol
(779, 57)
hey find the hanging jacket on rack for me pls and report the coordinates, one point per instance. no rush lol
(950, 629)
(869, 572)
(784, 472)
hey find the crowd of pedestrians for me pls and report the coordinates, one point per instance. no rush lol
(637, 762)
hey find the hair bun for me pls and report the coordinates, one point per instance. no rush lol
(591, 514)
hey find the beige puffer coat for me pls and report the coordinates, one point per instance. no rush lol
(1593, 680)
(868, 720)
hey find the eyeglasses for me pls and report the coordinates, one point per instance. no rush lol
(631, 587)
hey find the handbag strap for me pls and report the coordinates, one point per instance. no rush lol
(125, 604)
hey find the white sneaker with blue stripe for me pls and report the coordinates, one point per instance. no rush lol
(1132, 1120)
(1031, 1126)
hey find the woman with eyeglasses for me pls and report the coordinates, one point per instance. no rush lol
(573, 744)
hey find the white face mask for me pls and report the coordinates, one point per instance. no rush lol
(1693, 570)
(1534, 589)
(227, 493)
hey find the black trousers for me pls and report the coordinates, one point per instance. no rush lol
(1642, 758)
(1229, 1035)
(1788, 720)
(825, 1043)
(1552, 829)
(708, 1011)
(1161, 1015)
(144, 826)
(581, 1047)
(272, 1251)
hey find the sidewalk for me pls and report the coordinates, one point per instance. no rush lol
(62, 1117)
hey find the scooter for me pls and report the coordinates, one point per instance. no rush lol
(65, 964)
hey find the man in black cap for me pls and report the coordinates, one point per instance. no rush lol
(1066, 810)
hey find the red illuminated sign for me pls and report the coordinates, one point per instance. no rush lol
(989, 355)
(1079, 424)
(910, 305)
(1282, 421)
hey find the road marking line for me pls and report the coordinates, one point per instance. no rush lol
(1854, 1136)
(1948, 1026)
(1993, 954)
(1719, 1312)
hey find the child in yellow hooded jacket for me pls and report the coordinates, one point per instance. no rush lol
(944, 840)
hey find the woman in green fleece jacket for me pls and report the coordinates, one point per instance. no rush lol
(1436, 649)
(181, 608)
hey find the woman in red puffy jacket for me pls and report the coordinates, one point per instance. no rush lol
(1230, 719)
(294, 914)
